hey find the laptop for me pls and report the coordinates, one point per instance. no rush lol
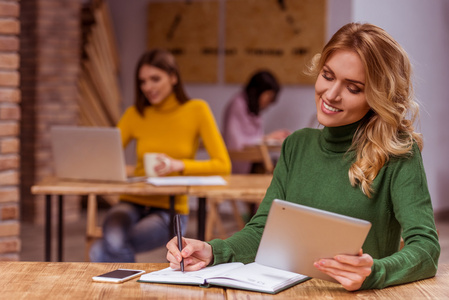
(295, 236)
(88, 153)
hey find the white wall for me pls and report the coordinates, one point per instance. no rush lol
(421, 26)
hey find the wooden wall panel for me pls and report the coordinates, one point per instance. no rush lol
(278, 35)
(99, 93)
(189, 29)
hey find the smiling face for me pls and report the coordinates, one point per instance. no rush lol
(155, 83)
(340, 90)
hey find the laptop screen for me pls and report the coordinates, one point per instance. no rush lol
(88, 153)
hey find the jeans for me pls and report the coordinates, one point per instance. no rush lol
(131, 228)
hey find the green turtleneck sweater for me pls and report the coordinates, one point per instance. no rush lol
(313, 171)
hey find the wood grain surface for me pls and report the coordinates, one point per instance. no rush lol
(47, 280)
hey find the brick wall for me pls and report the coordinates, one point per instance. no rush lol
(50, 63)
(10, 97)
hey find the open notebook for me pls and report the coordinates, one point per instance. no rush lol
(252, 277)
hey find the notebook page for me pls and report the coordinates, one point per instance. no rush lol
(186, 180)
(169, 275)
(257, 277)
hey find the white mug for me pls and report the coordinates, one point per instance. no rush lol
(151, 160)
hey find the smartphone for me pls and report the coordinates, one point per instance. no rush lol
(117, 276)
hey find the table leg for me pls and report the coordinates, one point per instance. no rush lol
(172, 217)
(47, 227)
(60, 227)
(201, 218)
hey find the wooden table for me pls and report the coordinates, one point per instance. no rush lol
(240, 186)
(433, 288)
(243, 187)
(52, 186)
(259, 153)
(46, 280)
(246, 187)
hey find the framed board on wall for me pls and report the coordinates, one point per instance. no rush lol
(189, 29)
(279, 35)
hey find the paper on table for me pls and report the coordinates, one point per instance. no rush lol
(252, 277)
(187, 180)
(193, 277)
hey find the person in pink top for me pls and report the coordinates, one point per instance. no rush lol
(243, 123)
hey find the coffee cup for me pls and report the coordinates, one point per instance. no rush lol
(151, 160)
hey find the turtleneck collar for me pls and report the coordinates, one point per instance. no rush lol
(339, 139)
(168, 104)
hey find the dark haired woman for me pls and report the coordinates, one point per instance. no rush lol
(243, 123)
(162, 120)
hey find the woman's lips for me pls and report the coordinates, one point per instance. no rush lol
(330, 108)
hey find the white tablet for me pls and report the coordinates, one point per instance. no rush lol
(295, 236)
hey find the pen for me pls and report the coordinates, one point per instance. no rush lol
(179, 235)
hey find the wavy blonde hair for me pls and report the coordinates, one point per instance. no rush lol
(387, 131)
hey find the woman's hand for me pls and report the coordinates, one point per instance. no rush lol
(197, 254)
(278, 135)
(349, 270)
(168, 165)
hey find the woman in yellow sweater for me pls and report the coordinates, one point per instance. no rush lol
(162, 120)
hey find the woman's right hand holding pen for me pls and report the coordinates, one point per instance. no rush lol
(197, 254)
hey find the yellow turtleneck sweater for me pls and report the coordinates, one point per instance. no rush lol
(175, 129)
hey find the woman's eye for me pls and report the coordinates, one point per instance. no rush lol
(327, 76)
(155, 78)
(354, 89)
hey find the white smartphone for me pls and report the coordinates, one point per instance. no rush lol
(118, 276)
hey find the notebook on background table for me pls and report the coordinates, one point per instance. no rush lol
(295, 236)
(88, 153)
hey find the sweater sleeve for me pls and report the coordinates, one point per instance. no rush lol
(243, 245)
(418, 259)
(238, 130)
(219, 161)
(125, 125)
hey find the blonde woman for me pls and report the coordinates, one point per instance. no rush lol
(365, 162)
